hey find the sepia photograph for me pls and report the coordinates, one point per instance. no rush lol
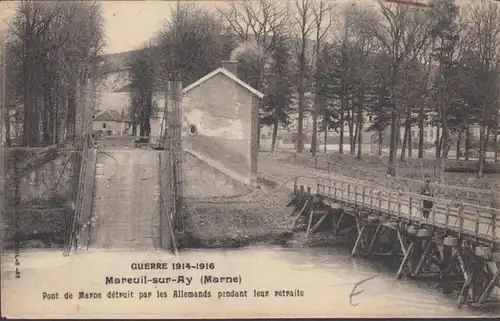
(249, 159)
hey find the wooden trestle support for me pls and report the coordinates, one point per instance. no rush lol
(460, 264)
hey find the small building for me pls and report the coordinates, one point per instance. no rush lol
(111, 123)
(220, 122)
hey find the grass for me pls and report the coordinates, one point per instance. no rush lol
(413, 168)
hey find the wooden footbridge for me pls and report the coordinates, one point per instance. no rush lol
(458, 244)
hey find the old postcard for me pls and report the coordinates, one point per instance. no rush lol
(250, 159)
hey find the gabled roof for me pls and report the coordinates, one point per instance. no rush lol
(228, 74)
(108, 115)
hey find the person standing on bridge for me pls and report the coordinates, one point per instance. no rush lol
(426, 204)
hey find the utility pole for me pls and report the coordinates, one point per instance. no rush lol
(3, 97)
(2, 139)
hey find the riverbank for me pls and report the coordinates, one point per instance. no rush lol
(229, 222)
(259, 218)
(42, 225)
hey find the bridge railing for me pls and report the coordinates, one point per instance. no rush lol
(464, 218)
(484, 197)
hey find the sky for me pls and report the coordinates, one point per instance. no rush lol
(129, 24)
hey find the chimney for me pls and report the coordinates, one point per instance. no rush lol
(231, 66)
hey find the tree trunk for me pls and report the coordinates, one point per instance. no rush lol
(314, 138)
(495, 138)
(405, 141)
(437, 163)
(410, 137)
(147, 131)
(467, 142)
(142, 129)
(8, 141)
(391, 170)
(326, 136)
(446, 144)
(275, 132)
(380, 142)
(360, 120)
(486, 142)
(482, 136)
(459, 138)
(302, 69)
(421, 125)
(360, 136)
(495, 142)
(406, 136)
(342, 111)
(355, 137)
(351, 128)
(438, 141)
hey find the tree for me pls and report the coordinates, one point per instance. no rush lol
(280, 89)
(328, 91)
(342, 62)
(142, 82)
(378, 108)
(303, 26)
(51, 47)
(402, 33)
(192, 43)
(258, 25)
(446, 33)
(483, 51)
(323, 18)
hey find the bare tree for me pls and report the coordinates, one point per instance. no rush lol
(191, 44)
(484, 32)
(403, 33)
(323, 19)
(51, 47)
(447, 37)
(303, 24)
(258, 26)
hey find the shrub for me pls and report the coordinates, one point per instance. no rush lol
(47, 225)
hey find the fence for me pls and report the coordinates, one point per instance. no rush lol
(170, 169)
(481, 197)
(466, 219)
(81, 219)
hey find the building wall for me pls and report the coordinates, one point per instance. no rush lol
(116, 127)
(202, 180)
(254, 138)
(221, 111)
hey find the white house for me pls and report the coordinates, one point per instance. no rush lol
(111, 123)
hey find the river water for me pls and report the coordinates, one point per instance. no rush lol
(325, 277)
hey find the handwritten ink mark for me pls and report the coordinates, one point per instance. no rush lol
(358, 292)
